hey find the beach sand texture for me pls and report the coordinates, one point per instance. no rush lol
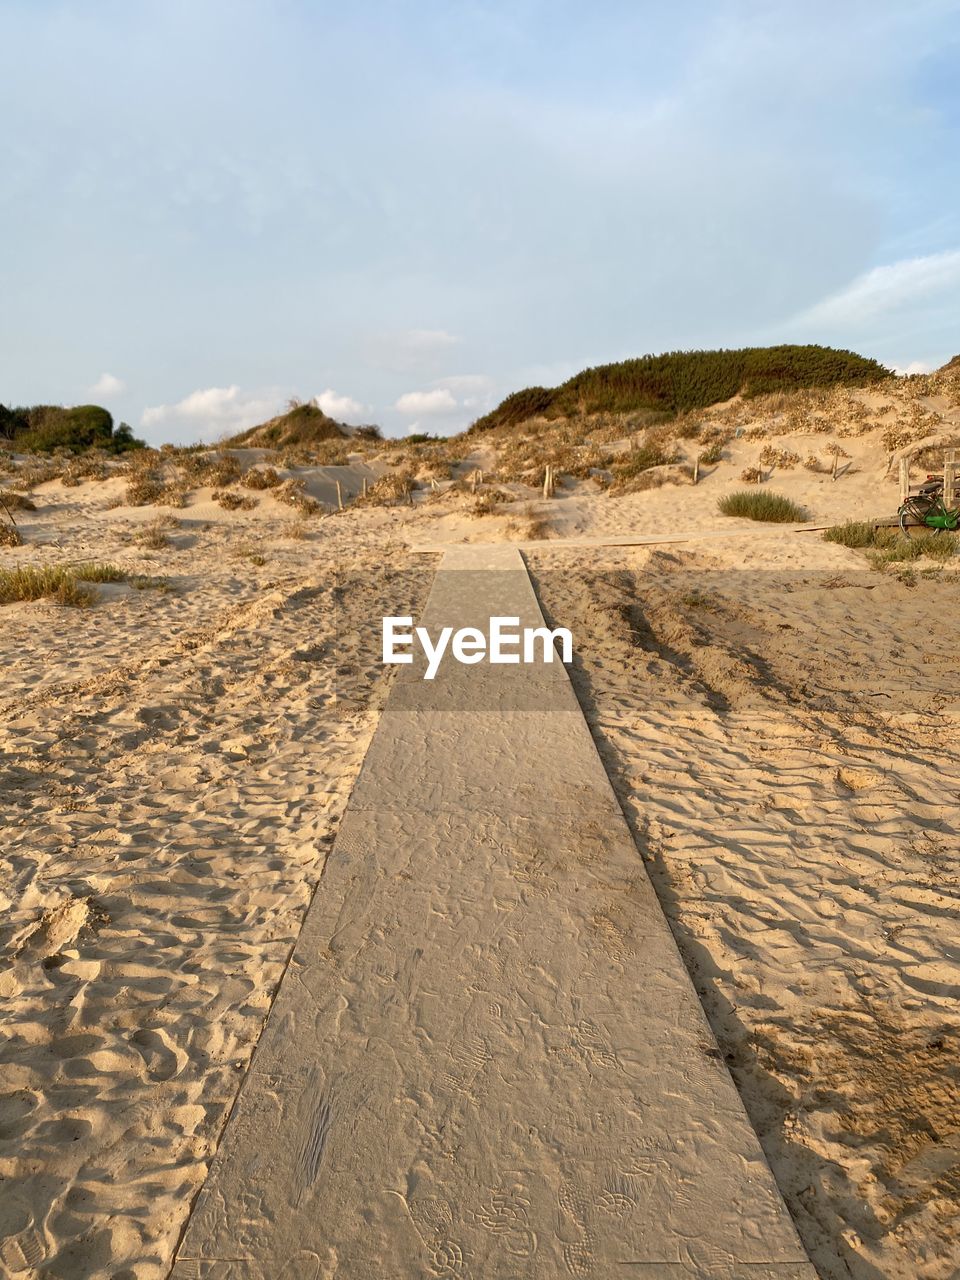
(486, 1057)
(776, 721)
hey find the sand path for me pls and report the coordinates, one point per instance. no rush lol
(486, 1058)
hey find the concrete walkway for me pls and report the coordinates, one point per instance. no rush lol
(486, 1058)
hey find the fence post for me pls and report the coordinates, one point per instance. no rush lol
(904, 480)
(833, 469)
(339, 497)
(696, 469)
(949, 477)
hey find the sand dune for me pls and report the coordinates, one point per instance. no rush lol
(777, 721)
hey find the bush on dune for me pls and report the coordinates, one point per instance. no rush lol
(853, 533)
(42, 428)
(680, 382)
(757, 505)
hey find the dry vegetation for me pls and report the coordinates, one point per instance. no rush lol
(63, 584)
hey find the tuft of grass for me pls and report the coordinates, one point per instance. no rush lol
(760, 505)
(853, 533)
(64, 584)
(895, 548)
(890, 546)
(9, 536)
(297, 529)
(147, 582)
(154, 534)
(92, 571)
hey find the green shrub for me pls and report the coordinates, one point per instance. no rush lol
(759, 505)
(42, 428)
(894, 547)
(854, 533)
(64, 584)
(686, 381)
(890, 546)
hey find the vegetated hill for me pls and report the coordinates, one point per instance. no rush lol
(681, 381)
(301, 424)
(41, 428)
(952, 366)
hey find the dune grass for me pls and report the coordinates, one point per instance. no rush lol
(885, 546)
(759, 505)
(63, 584)
(853, 533)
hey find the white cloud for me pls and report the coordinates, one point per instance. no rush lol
(107, 385)
(475, 389)
(899, 285)
(427, 339)
(214, 411)
(915, 366)
(406, 349)
(437, 401)
(343, 408)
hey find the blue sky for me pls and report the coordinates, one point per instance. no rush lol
(411, 209)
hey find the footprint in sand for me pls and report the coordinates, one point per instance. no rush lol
(577, 1239)
(163, 1059)
(22, 1247)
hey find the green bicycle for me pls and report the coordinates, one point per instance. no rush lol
(927, 508)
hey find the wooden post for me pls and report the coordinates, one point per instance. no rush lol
(480, 477)
(696, 469)
(548, 481)
(833, 469)
(473, 482)
(339, 496)
(904, 480)
(364, 486)
(949, 478)
(759, 468)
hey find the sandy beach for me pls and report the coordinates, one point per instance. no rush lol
(776, 717)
